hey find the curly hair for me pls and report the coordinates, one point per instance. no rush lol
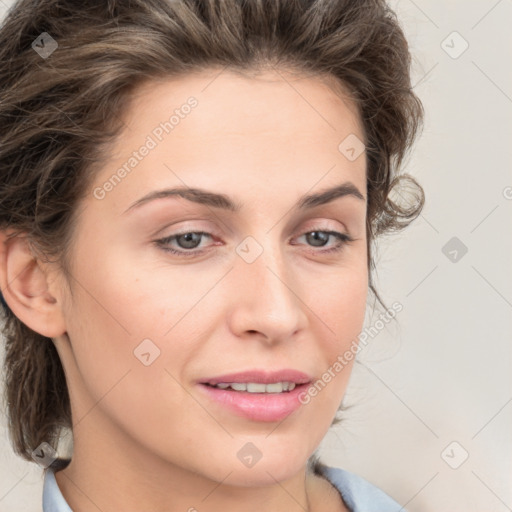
(58, 113)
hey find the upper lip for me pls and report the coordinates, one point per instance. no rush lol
(261, 377)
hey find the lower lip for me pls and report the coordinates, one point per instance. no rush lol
(269, 407)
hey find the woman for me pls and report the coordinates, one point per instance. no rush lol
(190, 193)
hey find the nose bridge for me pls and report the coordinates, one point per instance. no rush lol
(268, 303)
(270, 266)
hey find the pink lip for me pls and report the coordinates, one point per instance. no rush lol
(267, 407)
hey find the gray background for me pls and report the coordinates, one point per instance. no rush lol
(435, 387)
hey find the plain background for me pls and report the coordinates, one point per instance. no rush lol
(431, 424)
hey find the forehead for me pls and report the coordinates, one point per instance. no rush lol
(275, 126)
(230, 98)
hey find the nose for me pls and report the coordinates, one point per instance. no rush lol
(266, 301)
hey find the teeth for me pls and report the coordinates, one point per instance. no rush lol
(257, 387)
(278, 387)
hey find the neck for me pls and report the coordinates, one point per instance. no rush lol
(124, 476)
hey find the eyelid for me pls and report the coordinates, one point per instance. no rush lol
(212, 232)
(184, 226)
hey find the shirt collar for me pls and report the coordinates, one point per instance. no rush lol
(53, 501)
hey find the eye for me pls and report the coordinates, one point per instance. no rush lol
(189, 243)
(185, 242)
(321, 238)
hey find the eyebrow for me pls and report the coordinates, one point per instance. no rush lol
(222, 201)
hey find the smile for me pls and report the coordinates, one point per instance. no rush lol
(257, 395)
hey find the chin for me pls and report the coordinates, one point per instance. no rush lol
(265, 473)
(263, 460)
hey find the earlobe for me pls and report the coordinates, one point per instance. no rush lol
(25, 287)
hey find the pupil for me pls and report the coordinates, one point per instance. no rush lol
(318, 238)
(189, 240)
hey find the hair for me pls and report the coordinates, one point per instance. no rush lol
(59, 113)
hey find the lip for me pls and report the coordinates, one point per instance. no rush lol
(261, 407)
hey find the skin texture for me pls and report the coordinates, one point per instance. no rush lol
(263, 141)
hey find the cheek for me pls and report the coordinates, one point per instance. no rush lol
(341, 303)
(341, 308)
(128, 379)
(127, 329)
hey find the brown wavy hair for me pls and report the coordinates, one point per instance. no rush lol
(57, 115)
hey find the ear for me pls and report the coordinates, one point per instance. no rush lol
(28, 288)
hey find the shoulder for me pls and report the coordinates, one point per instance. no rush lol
(357, 493)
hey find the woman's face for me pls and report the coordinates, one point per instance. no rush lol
(267, 286)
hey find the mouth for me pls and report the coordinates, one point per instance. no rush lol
(257, 395)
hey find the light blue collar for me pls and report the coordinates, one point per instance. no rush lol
(53, 501)
(358, 494)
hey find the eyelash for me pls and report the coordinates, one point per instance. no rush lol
(163, 243)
